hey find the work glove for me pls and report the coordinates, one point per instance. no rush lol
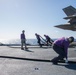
(66, 61)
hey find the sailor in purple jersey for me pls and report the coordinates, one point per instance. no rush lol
(39, 40)
(22, 36)
(48, 40)
(23, 40)
(60, 46)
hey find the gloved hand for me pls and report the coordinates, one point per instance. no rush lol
(66, 61)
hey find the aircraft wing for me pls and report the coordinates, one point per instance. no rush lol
(66, 27)
(69, 17)
(69, 11)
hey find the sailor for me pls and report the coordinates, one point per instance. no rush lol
(39, 40)
(23, 40)
(60, 46)
(48, 40)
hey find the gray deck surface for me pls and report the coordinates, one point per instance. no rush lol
(13, 62)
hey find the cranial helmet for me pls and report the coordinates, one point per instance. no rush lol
(71, 39)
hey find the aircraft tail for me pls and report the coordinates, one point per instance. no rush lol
(70, 10)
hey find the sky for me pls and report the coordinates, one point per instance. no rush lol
(33, 16)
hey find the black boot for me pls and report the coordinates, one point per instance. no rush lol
(54, 61)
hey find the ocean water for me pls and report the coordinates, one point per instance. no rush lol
(18, 42)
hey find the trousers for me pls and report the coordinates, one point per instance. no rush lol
(60, 51)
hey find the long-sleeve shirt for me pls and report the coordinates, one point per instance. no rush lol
(38, 36)
(22, 36)
(63, 43)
